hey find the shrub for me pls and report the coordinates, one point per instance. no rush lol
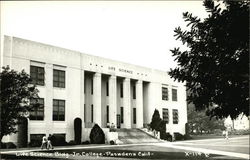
(178, 136)
(10, 145)
(166, 136)
(72, 142)
(187, 137)
(97, 135)
(85, 142)
(156, 120)
(35, 143)
(3, 145)
(58, 140)
(112, 142)
(78, 130)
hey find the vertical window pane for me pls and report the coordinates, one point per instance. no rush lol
(164, 93)
(107, 113)
(37, 112)
(174, 94)
(121, 90)
(134, 115)
(58, 78)
(58, 110)
(37, 75)
(175, 116)
(107, 88)
(121, 114)
(134, 92)
(165, 115)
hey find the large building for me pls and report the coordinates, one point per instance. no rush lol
(96, 90)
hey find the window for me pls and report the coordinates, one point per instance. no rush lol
(37, 75)
(134, 92)
(121, 114)
(174, 94)
(92, 86)
(165, 115)
(38, 109)
(107, 88)
(107, 113)
(58, 110)
(164, 93)
(58, 78)
(121, 90)
(175, 116)
(36, 138)
(134, 115)
(92, 113)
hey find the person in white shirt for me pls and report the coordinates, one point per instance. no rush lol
(44, 142)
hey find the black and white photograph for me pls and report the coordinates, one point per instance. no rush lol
(124, 80)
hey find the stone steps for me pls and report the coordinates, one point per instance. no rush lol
(130, 136)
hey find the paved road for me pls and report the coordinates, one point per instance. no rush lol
(211, 149)
(235, 144)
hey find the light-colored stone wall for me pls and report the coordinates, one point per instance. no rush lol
(80, 69)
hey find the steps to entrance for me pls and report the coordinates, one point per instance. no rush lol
(130, 136)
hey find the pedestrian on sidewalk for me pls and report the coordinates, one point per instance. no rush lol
(49, 144)
(44, 142)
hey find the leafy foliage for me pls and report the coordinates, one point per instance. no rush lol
(156, 120)
(15, 94)
(200, 122)
(97, 135)
(215, 65)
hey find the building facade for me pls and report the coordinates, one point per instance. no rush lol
(97, 90)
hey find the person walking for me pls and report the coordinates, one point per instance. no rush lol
(49, 144)
(44, 142)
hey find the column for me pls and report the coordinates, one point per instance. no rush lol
(112, 99)
(48, 101)
(127, 103)
(139, 104)
(97, 98)
(82, 98)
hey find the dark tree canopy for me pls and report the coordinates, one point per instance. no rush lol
(16, 92)
(156, 122)
(216, 64)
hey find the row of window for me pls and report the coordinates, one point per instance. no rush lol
(37, 76)
(59, 112)
(165, 94)
(107, 116)
(38, 109)
(165, 115)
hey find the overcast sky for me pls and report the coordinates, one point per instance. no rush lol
(139, 32)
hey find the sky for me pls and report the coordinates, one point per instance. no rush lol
(136, 32)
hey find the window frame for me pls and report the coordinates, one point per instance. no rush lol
(59, 78)
(164, 91)
(36, 109)
(56, 109)
(37, 75)
(174, 95)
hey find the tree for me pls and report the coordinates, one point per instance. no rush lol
(16, 91)
(156, 121)
(198, 121)
(215, 65)
(97, 135)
